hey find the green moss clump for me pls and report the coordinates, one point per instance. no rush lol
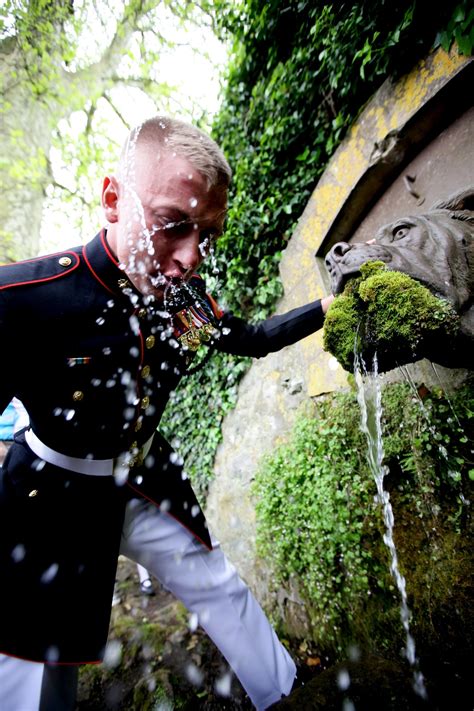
(388, 313)
(320, 526)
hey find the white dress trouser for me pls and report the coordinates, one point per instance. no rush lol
(210, 588)
(32, 686)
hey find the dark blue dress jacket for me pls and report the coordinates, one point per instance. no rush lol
(94, 364)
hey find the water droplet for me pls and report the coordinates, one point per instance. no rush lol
(223, 685)
(176, 459)
(343, 679)
(194, 674)
(50, 573)
(113, 654)
(18, 553)
(193, 622)
(193, 202)
(52, 654)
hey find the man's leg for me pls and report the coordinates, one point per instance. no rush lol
(210, 587)
(33, 686)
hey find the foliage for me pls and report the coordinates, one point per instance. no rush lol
(71, 76)
(317, 519)
(194, 415)
(460, 29)
(300, 73)
(389, 313)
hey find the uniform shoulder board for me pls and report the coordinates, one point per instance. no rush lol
(40, 269)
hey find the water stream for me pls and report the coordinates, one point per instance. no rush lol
(369, 395)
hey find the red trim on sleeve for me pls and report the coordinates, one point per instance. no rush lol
(46, 661)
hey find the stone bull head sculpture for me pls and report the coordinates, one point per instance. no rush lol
(435, 249)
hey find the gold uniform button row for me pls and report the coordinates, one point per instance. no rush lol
(78, 395)
(150, 341)
(145, 402)
(145, 371)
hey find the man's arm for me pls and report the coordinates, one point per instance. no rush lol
(241, 338)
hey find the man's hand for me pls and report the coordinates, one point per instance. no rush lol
(326, 302)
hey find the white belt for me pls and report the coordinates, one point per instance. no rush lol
(93, 467)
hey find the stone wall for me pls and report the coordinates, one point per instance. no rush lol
(389, 131)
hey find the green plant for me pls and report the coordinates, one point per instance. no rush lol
(318, 522)
(389, 313)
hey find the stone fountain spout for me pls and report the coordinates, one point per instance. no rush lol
(435, 249)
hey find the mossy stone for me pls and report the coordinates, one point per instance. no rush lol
(388, 313)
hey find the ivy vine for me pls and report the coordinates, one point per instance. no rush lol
(300, 73)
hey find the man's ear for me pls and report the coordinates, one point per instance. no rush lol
(110, 198)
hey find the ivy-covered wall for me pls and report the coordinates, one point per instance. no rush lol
(320, 523)
(299, 76)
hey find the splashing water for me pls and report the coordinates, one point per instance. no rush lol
(369, 396)
(142, 243)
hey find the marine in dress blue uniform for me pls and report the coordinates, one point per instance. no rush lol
(94, 340)
(94, 363)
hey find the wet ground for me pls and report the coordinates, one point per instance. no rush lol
(156, 661)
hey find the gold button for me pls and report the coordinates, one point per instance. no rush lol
(65, 261)
(145, 371)
(123, 283)
(145, 402)
(78, 395)
(142, 313)
(150, 341)
(33, 492)
(138, 425)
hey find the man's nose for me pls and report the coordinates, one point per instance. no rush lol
(188, 255)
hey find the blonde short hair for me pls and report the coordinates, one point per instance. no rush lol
(185, 140)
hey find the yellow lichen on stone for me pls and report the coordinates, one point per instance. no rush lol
(323, 372)
(422, 83)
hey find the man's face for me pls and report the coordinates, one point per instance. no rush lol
(163, 220)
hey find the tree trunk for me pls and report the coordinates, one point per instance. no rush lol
(27, 128)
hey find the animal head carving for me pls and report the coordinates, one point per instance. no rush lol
(437, 250)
